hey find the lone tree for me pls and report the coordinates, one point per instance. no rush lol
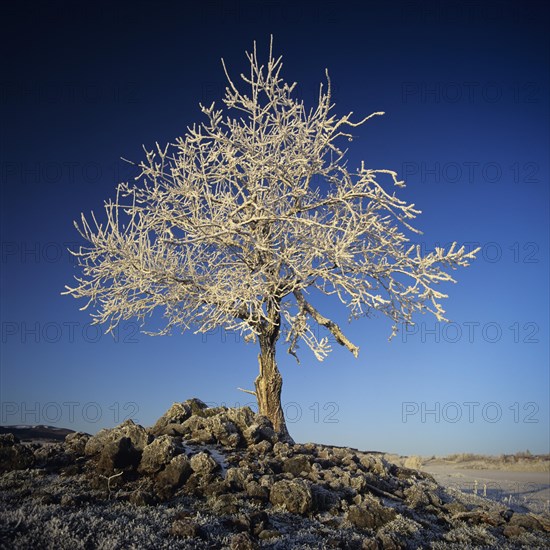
(242, 221)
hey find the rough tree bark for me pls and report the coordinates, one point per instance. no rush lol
(269, 382)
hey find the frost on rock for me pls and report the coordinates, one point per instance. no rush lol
(180, 494)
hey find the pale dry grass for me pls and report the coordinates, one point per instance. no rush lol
(522, 461)
(518, 462)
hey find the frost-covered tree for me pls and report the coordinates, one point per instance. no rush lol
(246, 221)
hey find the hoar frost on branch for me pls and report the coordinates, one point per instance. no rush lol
(236, 223)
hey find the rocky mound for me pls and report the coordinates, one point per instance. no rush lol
(221, 478)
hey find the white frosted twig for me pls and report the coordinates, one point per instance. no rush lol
(109, 478)
(247, 213)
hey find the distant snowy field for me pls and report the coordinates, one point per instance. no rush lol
(520, 491)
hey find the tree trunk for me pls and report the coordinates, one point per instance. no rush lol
(269, 384)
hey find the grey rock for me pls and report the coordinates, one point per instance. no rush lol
(118, 455)
(374, 464)
(236, 477)
(255, 490)
(217, 487)
(225, 504)
(324, 499)
(197, 406)
(176, 414)
(338, 489)
(202, 463)
(15, 456)
(223, 430)
(388, 542)
(282, 449)
(417, 496)
(75, 442)
(193, 425)
(53, 457)
(295, 495)
(242, 417)
(369, 516)
(158, 454)
(262, 448)
(260, 430)
(136, 433)
(526, 522)
(171, 421)
(8, 440)
(297, 464)
(176, 473)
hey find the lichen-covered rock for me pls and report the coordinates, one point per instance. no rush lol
(526, 522)
(8, 440)
(255, 490)
(324, 499)
(296, 465)
(119, 454)
(260, 430)
(374, 464)
(224, 431)
(294, 495)
(176, 473)
(242, 417)
(136, 433)
(369, 516)
(158, 454)
(177, 414)
(225, 504)
(203, 464)
(236, 477)
(53, 457)
(14, 455)
(75, 442)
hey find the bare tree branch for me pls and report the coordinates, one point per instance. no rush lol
(247, 391)
(252, 207)
(327, 323)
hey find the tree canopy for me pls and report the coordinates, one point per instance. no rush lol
(239, 222)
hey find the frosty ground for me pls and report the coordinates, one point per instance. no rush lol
(220, 478)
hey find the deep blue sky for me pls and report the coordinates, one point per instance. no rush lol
(465, 91)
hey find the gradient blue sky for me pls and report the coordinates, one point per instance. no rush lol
(465, 91)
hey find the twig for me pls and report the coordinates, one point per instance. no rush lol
(109, 481)
(381, 493)
(248, 391)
